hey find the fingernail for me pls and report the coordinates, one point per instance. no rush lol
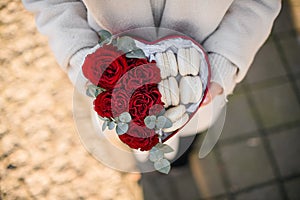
(206, 100)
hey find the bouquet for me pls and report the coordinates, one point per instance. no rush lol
(146, 91)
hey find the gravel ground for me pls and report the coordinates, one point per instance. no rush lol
(41, 156)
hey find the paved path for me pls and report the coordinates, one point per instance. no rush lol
(257, 157)
(258, 154)
(41, 156)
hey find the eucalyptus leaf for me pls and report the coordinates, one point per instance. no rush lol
(88, 93)
(164, 148)
(162, 112)
(104, 125)
(162, 165)
(122, 128)
(161, 122)
(138, 53)
(105, 37)
(158, 145)
(126, 44)
(150, 121)
(155, 154)
(168, 123)
(103, 118)
(97, 92)
(93, 91)
(114, 42)
(111, 125)
(125, 117)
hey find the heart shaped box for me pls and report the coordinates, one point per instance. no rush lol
(122, 122)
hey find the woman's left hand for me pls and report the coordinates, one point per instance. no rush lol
(214, 90)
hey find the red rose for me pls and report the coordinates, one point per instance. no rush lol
(138, 137)
(139, 76)
(102, 104)
(120, 102)
(142, 100)
(105, 66)
(156, 109)
(134, 62)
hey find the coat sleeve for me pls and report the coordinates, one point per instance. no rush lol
(242, 31)
(65, 24)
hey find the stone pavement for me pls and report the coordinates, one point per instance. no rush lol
(41, 156)
(295, 7)
(257, 156)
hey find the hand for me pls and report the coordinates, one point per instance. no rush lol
(214, 90)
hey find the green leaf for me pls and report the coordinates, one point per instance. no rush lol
(164, 148)
(105, 37)
(126, 44)
(160, 122)
(89, 94)
(155, 154)
(114, 42)
(103, 118)
(125, 117)
(111, 125)
(162, 112)
(168, 123)
(138, 53)
(163, 122)
(162, 165)
(122, 128)
(97, 92)
(93, 91)
(150, 121)
(104, 125)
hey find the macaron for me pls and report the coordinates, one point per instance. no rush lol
(178, 124)
(174, 91)
(159, 58)
(190, 89)
(195, 58)
(173, 66)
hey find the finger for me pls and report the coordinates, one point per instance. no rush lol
(207, 99)
(214, 90)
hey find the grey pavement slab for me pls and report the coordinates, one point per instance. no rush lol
(286, 148)
(284, 21)
(239, 88)
(219, 198)
(247, 164)
(178, 184)
(291, 49)
(267, 64)
(239, 119)
(185, 185)
(277, 105)
(208, 176)
(293, 189)
(151, 185)
(262, 193)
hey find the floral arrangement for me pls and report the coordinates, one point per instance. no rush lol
(144, 94)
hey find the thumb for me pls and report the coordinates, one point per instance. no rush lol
(214, 90)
